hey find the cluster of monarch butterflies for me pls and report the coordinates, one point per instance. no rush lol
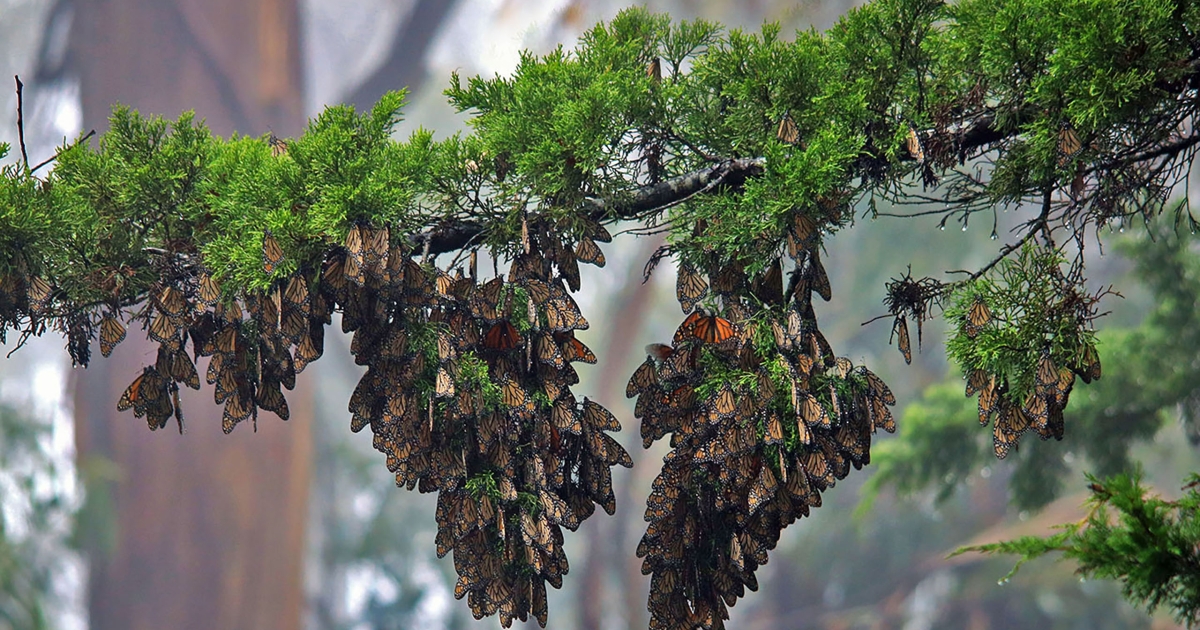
(467, 393)
(25, 295)
(256, 343)
(753, 448)
(1041, 408)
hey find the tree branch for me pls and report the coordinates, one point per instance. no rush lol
(647, 199)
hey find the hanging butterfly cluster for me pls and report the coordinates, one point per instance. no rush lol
(467, 389)
(1041, 407)
(763, 417)
(467, 393)
(26, 295)
(257, 343)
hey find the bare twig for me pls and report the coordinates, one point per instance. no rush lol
(21, 120)
(50, 159)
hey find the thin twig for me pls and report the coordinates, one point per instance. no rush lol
(21, 119)
(58, 153)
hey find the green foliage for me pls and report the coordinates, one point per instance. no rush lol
(1033, 310)
(1147, 543)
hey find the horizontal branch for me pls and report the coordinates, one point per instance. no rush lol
(642, 202)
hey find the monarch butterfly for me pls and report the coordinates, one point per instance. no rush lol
(1038, 412)
(538, 290)
(803, 434)
(271, 398)
(1010, 424)
(272, 254)
(987, 400)
(563, 315)
(502, 336)
(564, 418)
(39, 292)
(722, 406)
(277, 144)
(237, 410)
(333, 276)
(812, 412)
(208, 291)
(445, 349)
(1047, 373)
(296, 294)
(485, 302)
(568, 268)
(978, 316)
(444, 283)
(172, 302)
(445, 384)
(913, 144)
(588, 252)
(900, 328)
(512, 394)
(816, 468)
(133, 394)
(1066, 380)
(294, 325)
(163, 330)
(788, 132)
(881, 416)
(178, 366)
(728, 279)
(548, 351)
(1090, 364)
(1068, 144)
(802, 236)
(976, 381)
(712, 329)
(538, 602)
(877, 388)
(768, 287)
(352, 265)
(654, 73)
(598, 418)
(1055, 424)
(377, 245)
(817, 277)
(573, 349)
(774, 430)
(644, 377)
(690, 287)
(762, 490)
(307, 351)
(112, 332)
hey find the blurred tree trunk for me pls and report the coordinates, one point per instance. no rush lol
(209, 530)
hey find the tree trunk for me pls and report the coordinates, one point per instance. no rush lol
(209, 530)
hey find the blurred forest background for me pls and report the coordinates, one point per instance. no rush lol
(105, 525)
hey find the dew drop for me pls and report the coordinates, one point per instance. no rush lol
(1002, 582)
(942, 227)
(964, 228)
